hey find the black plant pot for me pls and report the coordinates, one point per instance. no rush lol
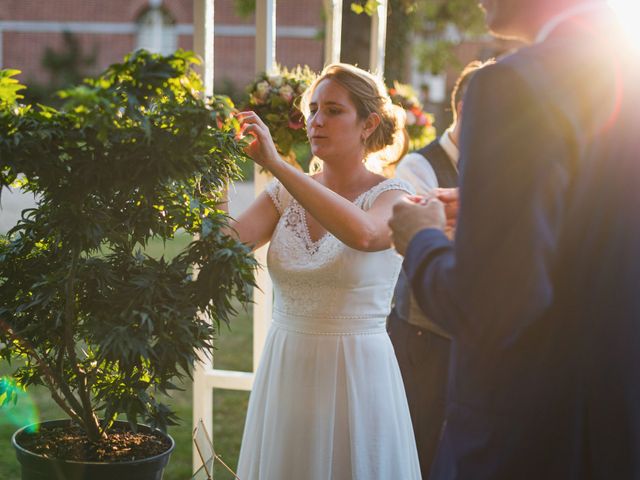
(37, 467)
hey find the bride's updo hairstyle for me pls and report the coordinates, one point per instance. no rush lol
(369, 95)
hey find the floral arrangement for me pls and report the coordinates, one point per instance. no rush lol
(275, 97)
(419, 124)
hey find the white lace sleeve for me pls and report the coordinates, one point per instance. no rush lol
(278, 195)
(385, 186)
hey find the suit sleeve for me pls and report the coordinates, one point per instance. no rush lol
(496, 278)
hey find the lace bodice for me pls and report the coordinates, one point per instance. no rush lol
(326, 278)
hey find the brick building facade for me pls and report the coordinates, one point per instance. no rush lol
(113, 28)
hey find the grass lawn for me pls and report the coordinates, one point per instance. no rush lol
(233, 352)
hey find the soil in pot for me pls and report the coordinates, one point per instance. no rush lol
(71, 443)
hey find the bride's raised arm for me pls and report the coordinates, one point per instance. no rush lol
(357, 228)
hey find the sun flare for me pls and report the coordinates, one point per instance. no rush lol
(628, 12)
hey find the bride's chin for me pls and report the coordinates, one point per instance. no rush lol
(316, 151)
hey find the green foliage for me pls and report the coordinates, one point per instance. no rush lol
(426, 20)
(244, 8)
(464, 14)
(364, 6)
(66, 66)
(8, 392)
(436, 55)
(134, 155)
(9, 88)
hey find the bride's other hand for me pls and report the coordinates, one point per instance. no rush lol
(262, 150)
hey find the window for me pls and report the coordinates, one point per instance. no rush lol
(157, 32)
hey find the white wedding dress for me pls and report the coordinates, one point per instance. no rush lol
(328, 401)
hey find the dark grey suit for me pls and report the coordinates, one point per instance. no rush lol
(422, 348)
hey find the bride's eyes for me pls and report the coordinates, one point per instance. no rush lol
(328, 111)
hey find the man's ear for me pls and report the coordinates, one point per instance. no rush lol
(371, 123)
(459, 106)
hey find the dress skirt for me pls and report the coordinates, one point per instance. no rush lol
(328, 405)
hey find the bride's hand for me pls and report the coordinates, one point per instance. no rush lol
(262, 150)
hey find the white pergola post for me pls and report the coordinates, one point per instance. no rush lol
(203, 39)
(265, 61)
(333, 31)
(378, 38)
(203, 15)
(206, 377)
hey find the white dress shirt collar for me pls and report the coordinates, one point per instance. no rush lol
(565, 15)
(449, 147)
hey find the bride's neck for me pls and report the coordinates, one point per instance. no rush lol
(342, 177)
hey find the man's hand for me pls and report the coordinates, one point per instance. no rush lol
(411, 215)
(450, 197)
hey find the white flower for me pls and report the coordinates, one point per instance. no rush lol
(275, 80)
(286, 93)
(262, 90)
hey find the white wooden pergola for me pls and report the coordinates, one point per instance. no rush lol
(206, 377)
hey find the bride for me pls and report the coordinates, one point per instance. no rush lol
(328, 400)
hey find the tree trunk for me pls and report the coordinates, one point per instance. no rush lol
(356, 37)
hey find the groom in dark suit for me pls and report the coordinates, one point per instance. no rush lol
(541, 287)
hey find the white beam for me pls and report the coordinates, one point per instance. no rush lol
(284, 31)
(72, 27)
(378, 38)
(333, 31)
(203, 15)
(123, 28)
(230, 380)
(265, 35)
(263, 295)
(202, 401)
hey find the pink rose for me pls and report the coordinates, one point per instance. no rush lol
(411, 118)
(422, 120)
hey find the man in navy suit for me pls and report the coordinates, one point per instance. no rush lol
(541, 287)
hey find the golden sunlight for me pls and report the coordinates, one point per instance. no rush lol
(629, 13)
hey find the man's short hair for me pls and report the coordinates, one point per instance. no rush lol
(462, 83)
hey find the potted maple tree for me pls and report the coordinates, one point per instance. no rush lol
(133, 155)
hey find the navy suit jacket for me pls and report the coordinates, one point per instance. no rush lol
(541, 288)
